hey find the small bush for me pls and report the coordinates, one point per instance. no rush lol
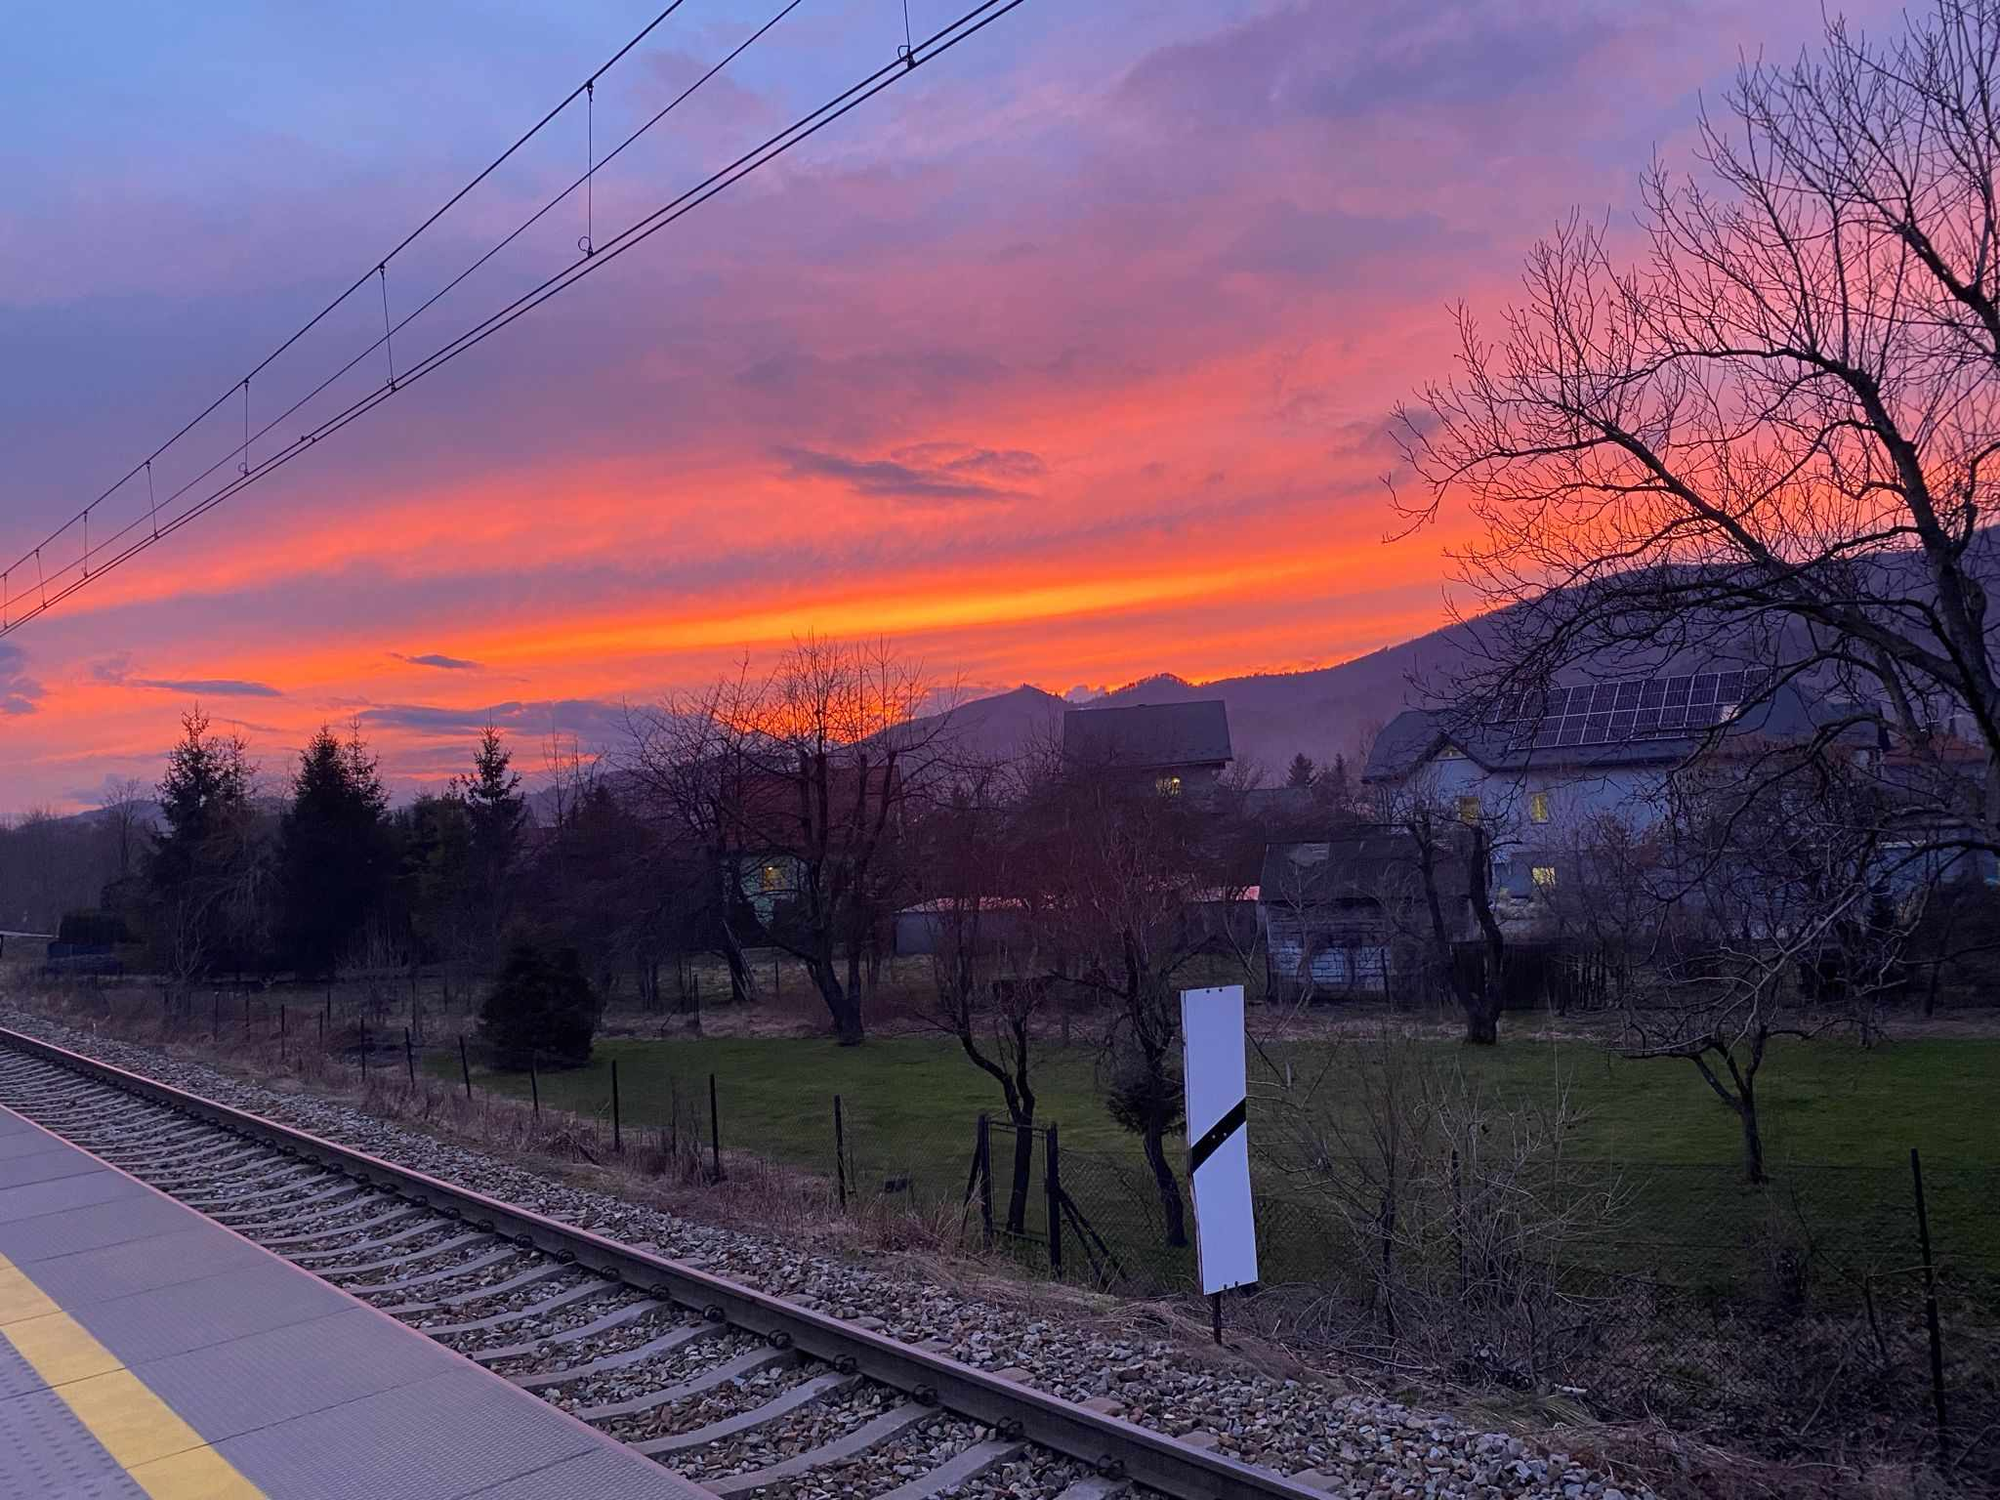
(541, 1009)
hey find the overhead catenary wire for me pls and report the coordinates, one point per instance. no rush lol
(967, 25)
(317, 318)
(7, 620)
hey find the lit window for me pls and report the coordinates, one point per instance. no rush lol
(1468, 809)
(769, 876)
(1168, 786)
(1544, 877)
(1538, 807)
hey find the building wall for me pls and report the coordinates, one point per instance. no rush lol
(1575, 799)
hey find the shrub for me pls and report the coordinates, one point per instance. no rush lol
(541, 1008)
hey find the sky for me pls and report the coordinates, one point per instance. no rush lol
(1068, 359)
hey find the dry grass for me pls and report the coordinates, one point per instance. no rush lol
(669, 1171)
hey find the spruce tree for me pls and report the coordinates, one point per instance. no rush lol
(1301, 773)
(496, 812)
(333, 849)
(202, 865)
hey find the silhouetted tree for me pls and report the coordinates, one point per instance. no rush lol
(1301, 772)
(209, 858)
(495, 812)
(333, 853)
(541, 1010)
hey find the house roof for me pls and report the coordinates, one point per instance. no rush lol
(1597, 725)
(1149, 736)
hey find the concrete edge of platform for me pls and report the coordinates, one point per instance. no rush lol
(591, 1440)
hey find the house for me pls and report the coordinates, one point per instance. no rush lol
(1537, 768)
(1348, 915)
(1172, 748)
(780, 828)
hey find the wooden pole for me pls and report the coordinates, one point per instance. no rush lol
(410, 1056)
(534, 1086)
(1931, 1307)
(617, 1125)
(839, 1153)
(1052, 1181)
(714, 1128)
(465, 1069)
(986, 1178)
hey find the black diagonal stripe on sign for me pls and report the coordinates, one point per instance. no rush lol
(1219, 1132)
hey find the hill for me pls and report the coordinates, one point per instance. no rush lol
(1324, 712)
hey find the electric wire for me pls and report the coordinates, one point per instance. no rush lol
(361, 280)
(967, 25)
(388, 330)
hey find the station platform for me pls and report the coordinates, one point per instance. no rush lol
(146, 1351)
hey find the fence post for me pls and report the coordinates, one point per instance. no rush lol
(215, 1022)
(986, 1178)
(1930, 1305)
(534, 1084)
(281, 1032)
(714, 1128)
(410, 1057)
(617, 1125)
(1052, 1181)
(839, 1153)
(364, 1054)
(465, 1068)
(1457, 1218)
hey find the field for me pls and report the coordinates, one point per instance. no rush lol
(1839, 1124)
(1824, 1104)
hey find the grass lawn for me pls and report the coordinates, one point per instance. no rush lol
(910, 1102)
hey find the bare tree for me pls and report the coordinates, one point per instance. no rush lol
(1452, 856)
(689, 770)
(1772, 435)
(991, 982)
(1125, 876)
(832, 753)
(122, 814)
(1775, 919)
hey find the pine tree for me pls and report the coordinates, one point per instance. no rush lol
(496, 811)
(207, 783)
(204, 863)
(333, 849)
(1301, 773)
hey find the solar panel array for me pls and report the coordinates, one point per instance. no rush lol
(1630, 708)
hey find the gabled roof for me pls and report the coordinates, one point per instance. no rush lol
(1538, 738)
(1149, 736)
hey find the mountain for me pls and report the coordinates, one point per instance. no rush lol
(1003, 726)
(1324, 712)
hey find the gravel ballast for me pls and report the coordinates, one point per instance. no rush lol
(1354, 1444)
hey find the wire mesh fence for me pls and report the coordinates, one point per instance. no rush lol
(1828, 1309)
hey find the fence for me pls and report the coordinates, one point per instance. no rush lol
(1833, 1309)
(1800, 1317)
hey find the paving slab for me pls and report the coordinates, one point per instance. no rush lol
(148, 1340)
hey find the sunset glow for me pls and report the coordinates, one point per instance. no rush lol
(1068, 362)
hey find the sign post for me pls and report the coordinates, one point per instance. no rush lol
(1217, 1083)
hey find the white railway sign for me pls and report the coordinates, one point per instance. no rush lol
(1218, 1136)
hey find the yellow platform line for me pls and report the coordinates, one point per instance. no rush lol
(146, 1437)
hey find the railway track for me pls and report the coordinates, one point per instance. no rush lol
(739, 1391)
